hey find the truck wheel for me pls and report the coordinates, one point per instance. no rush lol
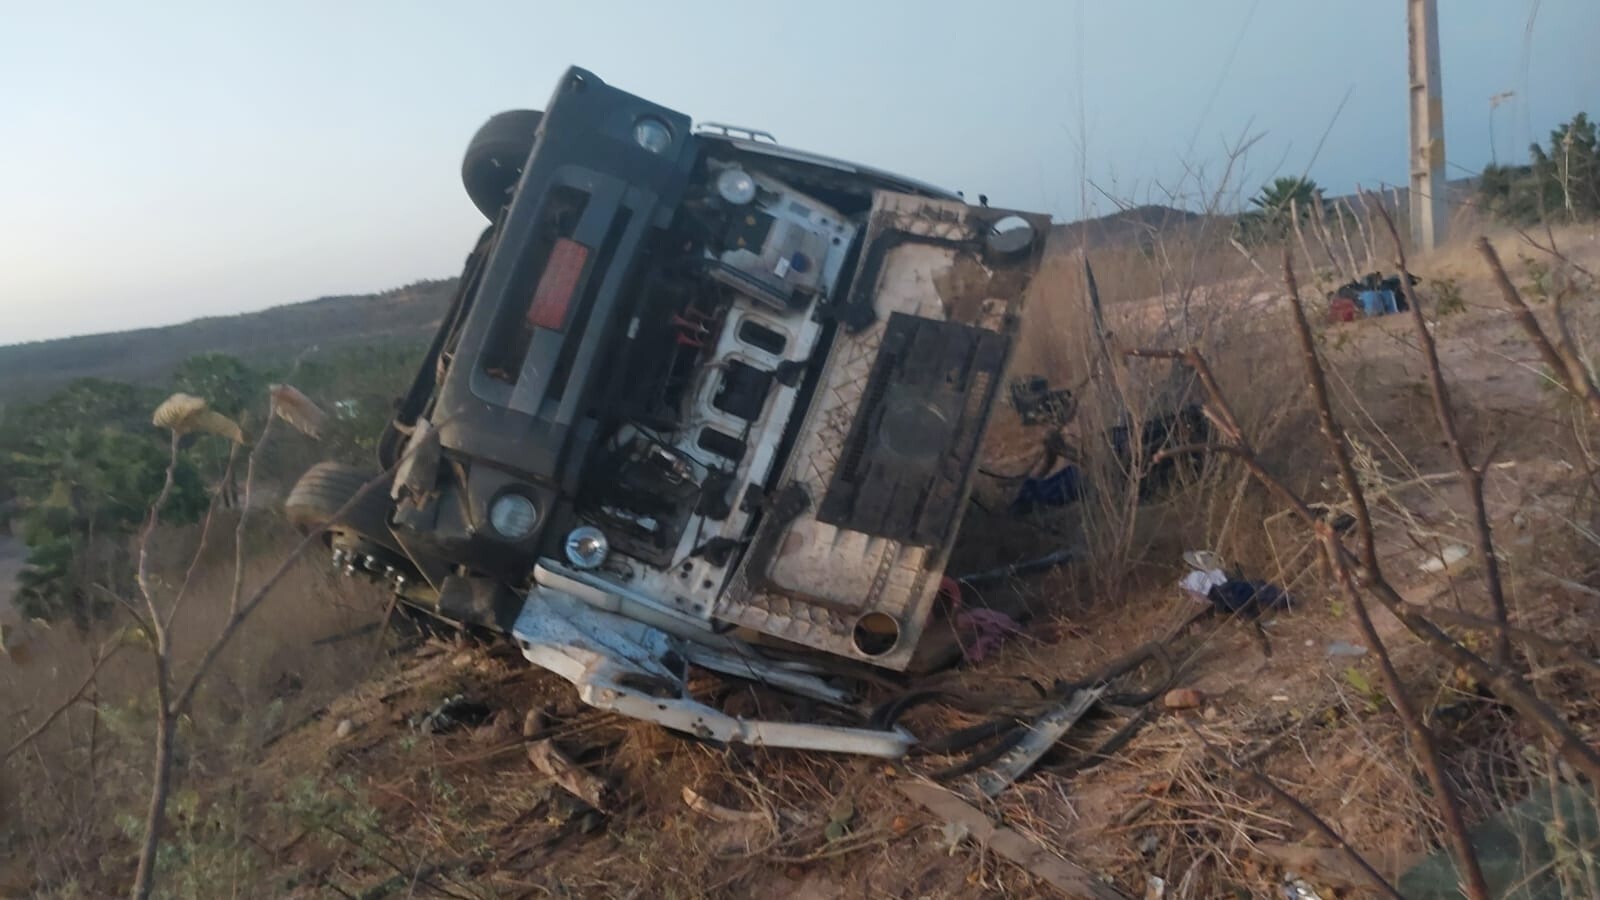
(325, 488)
(360, 539)
(495, 157)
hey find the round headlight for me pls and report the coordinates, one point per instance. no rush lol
(587, 547)
(736, 186)
(652, 134)
(513, 516)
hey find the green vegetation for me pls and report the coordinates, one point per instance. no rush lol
(80, 468)
(1275, 208)
(1562, 182)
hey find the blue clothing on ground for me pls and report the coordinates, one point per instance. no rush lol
(1378, 303)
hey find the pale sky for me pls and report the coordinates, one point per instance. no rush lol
(164, 160)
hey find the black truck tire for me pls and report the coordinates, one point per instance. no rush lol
(495, 157)
(325, 488)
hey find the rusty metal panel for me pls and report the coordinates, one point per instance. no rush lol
(831, 585)
(916, 432)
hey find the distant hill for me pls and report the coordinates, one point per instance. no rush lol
(150, 354)
(1131, 226)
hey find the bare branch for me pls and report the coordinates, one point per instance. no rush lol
(1248, 256)
(1553, 250)
(243, 610)
(244, 516)
(1369, 231)
(106, 651)
(1300, 236)
(1572, 654)
(158, 634)
(1572, 377)
(1424, 745)
(1452, 435)
(205, 536)
(1506, 685)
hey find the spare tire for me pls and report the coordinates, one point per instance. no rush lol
(325, 488)
(495, 157)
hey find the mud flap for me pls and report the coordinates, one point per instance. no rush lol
(884, 458)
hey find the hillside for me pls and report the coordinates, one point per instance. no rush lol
(148, 354)
(1134, 225)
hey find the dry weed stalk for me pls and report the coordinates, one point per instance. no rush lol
(174, 698)
(1560, 356)
(1364, 571)
(1425, 746)
(1302, 812)
(1507, 686)
(100, 658)
(1444, 410)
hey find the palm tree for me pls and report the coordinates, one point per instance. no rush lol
(1271, 218)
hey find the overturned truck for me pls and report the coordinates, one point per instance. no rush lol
(700, 400)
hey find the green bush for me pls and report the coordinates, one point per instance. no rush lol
(1561, 181)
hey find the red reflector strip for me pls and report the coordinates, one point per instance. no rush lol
(557, 285)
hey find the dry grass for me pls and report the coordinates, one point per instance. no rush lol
(70, 790)
(464, 815)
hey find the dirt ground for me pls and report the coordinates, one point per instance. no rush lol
(361, 796)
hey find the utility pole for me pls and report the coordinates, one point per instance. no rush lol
(1428, 210)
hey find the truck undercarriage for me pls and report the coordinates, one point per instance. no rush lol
(700, 402)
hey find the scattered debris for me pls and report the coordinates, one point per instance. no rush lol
(979, 631)
(501, 727)
(1183, 698)
(454, 713)
(1368, 297)
(1249, 598)
(1041, 735)
(1345, 648)
(1328, 865)
(1297, 889)
(1027, 567)
(720, 813)
(1040, 404)
(1205, 575)
(1062, 487)
(989, 629)
(1208, 582)
(953, 833)
(1446, 558)
(344, 729)
(532, 724)
(967, 820)
(555, 765)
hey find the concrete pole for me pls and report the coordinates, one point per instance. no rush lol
(1429, 214)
